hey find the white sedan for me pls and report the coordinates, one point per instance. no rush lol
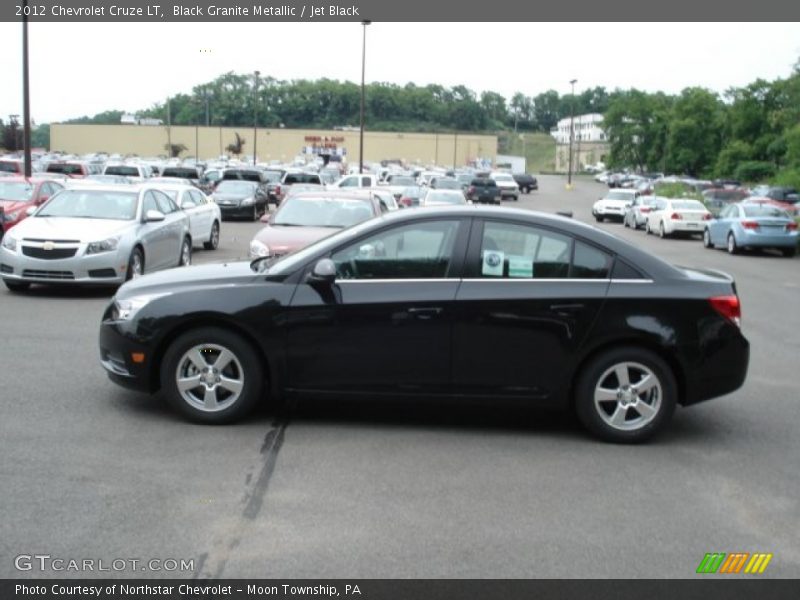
(204, 215)
(677, 215)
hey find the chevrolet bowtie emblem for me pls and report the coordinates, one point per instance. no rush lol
(48, 246)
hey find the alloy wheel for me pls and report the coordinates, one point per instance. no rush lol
(628, 396)
(209, 377)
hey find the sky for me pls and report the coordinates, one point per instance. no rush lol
(81, 69)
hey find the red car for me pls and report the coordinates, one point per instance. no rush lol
(18, 194)
(306, 217)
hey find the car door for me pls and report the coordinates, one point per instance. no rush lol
(188, 204)
(174, 226)
(205, 213)
(718, 228)
(385, 325)
(152, 235)
(528, 299)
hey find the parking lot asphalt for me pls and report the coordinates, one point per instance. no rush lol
(363, 489)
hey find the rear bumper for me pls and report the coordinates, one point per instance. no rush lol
(722, 371)
(768, 240)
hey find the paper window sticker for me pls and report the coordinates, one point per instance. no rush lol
(520, 266)
(493, 263)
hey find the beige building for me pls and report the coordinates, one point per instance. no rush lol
(272, 144)
(583, 154)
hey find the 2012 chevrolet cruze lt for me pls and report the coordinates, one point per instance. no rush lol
(453, 301)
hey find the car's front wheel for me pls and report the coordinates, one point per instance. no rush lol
(185, 258)
(213, 238)
(135, 264)
(211, 375)
(733, 247)
(625, 395)
(707, 239)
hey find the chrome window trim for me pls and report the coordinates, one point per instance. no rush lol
(490, 280)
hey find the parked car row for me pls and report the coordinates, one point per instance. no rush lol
(747, 224)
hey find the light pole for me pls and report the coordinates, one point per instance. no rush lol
(571, 132)
(255, 116)
(363, 70)
(26, 96)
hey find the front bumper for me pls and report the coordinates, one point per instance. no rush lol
(106, 268)
(117, 357)
(236, 211)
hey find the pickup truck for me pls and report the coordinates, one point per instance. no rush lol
(484, 190)
(365, 180)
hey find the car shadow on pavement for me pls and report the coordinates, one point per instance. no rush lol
(67, 291)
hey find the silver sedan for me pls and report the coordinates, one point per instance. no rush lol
(96, 235)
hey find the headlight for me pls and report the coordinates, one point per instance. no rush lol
(104, 246)
(10, 242)
(248, 201)
(258, 249)
(125, 310)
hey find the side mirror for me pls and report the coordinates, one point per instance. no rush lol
(324, 271)
(153, 216)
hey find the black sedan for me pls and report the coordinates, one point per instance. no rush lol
(466, 302)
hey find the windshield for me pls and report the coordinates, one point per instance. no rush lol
(243, 188)
(18, 191)
(503, 178)
(619, 196)
(402, 181)
(447, 184)
(91, 204)
(177, 172)
(688, 205)
(322, 212)
(445, 197)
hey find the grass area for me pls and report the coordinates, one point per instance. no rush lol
(539, 150)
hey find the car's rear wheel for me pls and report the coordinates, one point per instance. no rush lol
(211, 375)
(135, 264)
(662, 233)
(732, 246)
(625, 395)
(185, 258)
(625, 222)
(213, 239)
(789, 252)
(598, 218)
(647, 229)
(16, 286)
(707, 239)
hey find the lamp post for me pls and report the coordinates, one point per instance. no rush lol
(571, 132)
(363, 70)
(255, 116)
(26, 95)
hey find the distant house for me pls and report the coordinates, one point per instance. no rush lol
(587, 128)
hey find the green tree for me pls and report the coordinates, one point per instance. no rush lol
(695, 131)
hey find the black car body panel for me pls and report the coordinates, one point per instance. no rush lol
(460, 334)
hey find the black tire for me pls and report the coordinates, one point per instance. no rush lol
(255, 212)
(661, 231)
(732, 246)
(625, 222)
(16, 286)
(133, 269)
(213, 238)
(598, 218)
(185, 256)
(630, 425)
(789, 252)
(245, 368)
(707, 239)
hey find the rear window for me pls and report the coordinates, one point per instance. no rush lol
(484, 183)
(687, 205)
(302, 178)
(127, 171)
(9, 166)
(65, 168)
(614, 195)
(178, 172)
(763, 210)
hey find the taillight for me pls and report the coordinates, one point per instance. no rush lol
(471, 189)
(728, 307)
(791, 227)
(750, 224)
(644, 209)
(707, 217)
(405, 201)
(277, 190)
(675, 217)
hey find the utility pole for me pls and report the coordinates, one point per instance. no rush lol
(255, 116)
(571, 133)
(26, 95)
(363, 71)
